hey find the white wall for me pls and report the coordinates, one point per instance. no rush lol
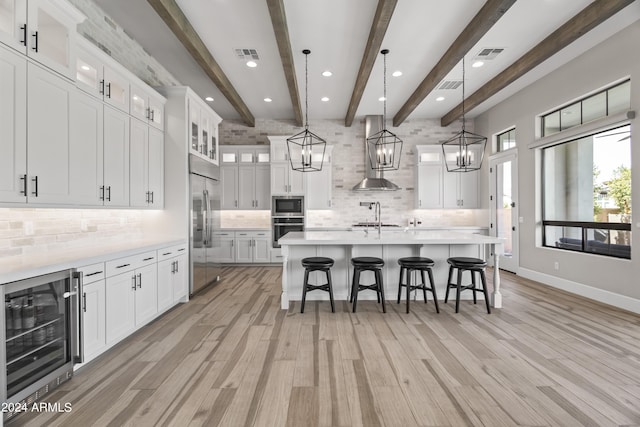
(613, 59)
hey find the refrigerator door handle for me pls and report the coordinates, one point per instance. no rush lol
(208, 229)
(205, 217)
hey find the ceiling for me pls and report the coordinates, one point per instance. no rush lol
(336, 32)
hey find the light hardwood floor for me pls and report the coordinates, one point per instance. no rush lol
(231, 357)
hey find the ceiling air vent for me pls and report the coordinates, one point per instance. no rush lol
(247, 54)
(450, 84)
(489, 53)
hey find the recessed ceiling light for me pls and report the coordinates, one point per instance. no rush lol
(477, 64)
(85, 67)
(324, 99)
(327, 73)
(252, 64)
(397, 73)
(382, 98)
(440, 98)
(208, 99)
(268, 100)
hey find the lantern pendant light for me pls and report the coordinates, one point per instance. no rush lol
(306, 149)
(465, 150)
(385, 147)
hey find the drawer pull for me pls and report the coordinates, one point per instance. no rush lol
(148, 259)
(123, 265)
(180, 250)
(166, 253)
(92, 274)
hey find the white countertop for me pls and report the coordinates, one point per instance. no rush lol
(25, 266)
(399, 237)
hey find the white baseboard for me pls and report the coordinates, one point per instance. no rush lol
(600, 295)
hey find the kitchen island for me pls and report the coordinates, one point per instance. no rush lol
(388, 245)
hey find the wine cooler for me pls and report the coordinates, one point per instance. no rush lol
(39, 337)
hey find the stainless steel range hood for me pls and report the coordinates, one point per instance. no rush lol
(374, 180)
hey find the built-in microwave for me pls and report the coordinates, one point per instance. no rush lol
(287, 206)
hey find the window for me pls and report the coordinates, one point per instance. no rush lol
(615, 99)
(587, 193)
(506, 140)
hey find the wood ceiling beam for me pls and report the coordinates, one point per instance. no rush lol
(376, 35)
(589, 18)
(488, 15)
(172, 15)
(281, 31)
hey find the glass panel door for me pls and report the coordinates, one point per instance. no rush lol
(504, 209)
(37, 330)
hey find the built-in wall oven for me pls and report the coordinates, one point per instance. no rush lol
(287, 214)
(283, 225)
(40, 337)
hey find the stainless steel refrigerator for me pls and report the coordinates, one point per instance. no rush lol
(205, 219)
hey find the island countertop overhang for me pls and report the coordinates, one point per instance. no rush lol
(395, 237)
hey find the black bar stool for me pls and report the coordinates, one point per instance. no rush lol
(366, 263)
(473, 265)
(421, 264)
(317, 264)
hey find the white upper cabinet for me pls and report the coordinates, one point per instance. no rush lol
(245, 175)
(48, 129)
(45, 30)
(13, 24)
(203, 129)
(99, 75)
(146, 107)
(436, 188)
(86, 150)
(319, 183)
(13, 127)
(116, 158)
(284, 180)
(146, 161)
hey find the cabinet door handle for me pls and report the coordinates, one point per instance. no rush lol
(23, 178)
(177, 268)
(133, 279)
(147, 200)
(102, 87)
(84, 302)
(108, 193)
(35, 183)
(173, 267)
(152, 197)
(35, 41)
(139, 280)
(235, 204)
(23, 28)
(153, 115)
(147, 113)
(109, 90)
(102, 192)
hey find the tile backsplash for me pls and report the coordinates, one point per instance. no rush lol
(27, 231)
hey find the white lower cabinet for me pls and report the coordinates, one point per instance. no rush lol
(173, 276)
(244, 247)
(253, 247)
(93, 304)
(132, 295)
(224, 244)
(121, 295)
